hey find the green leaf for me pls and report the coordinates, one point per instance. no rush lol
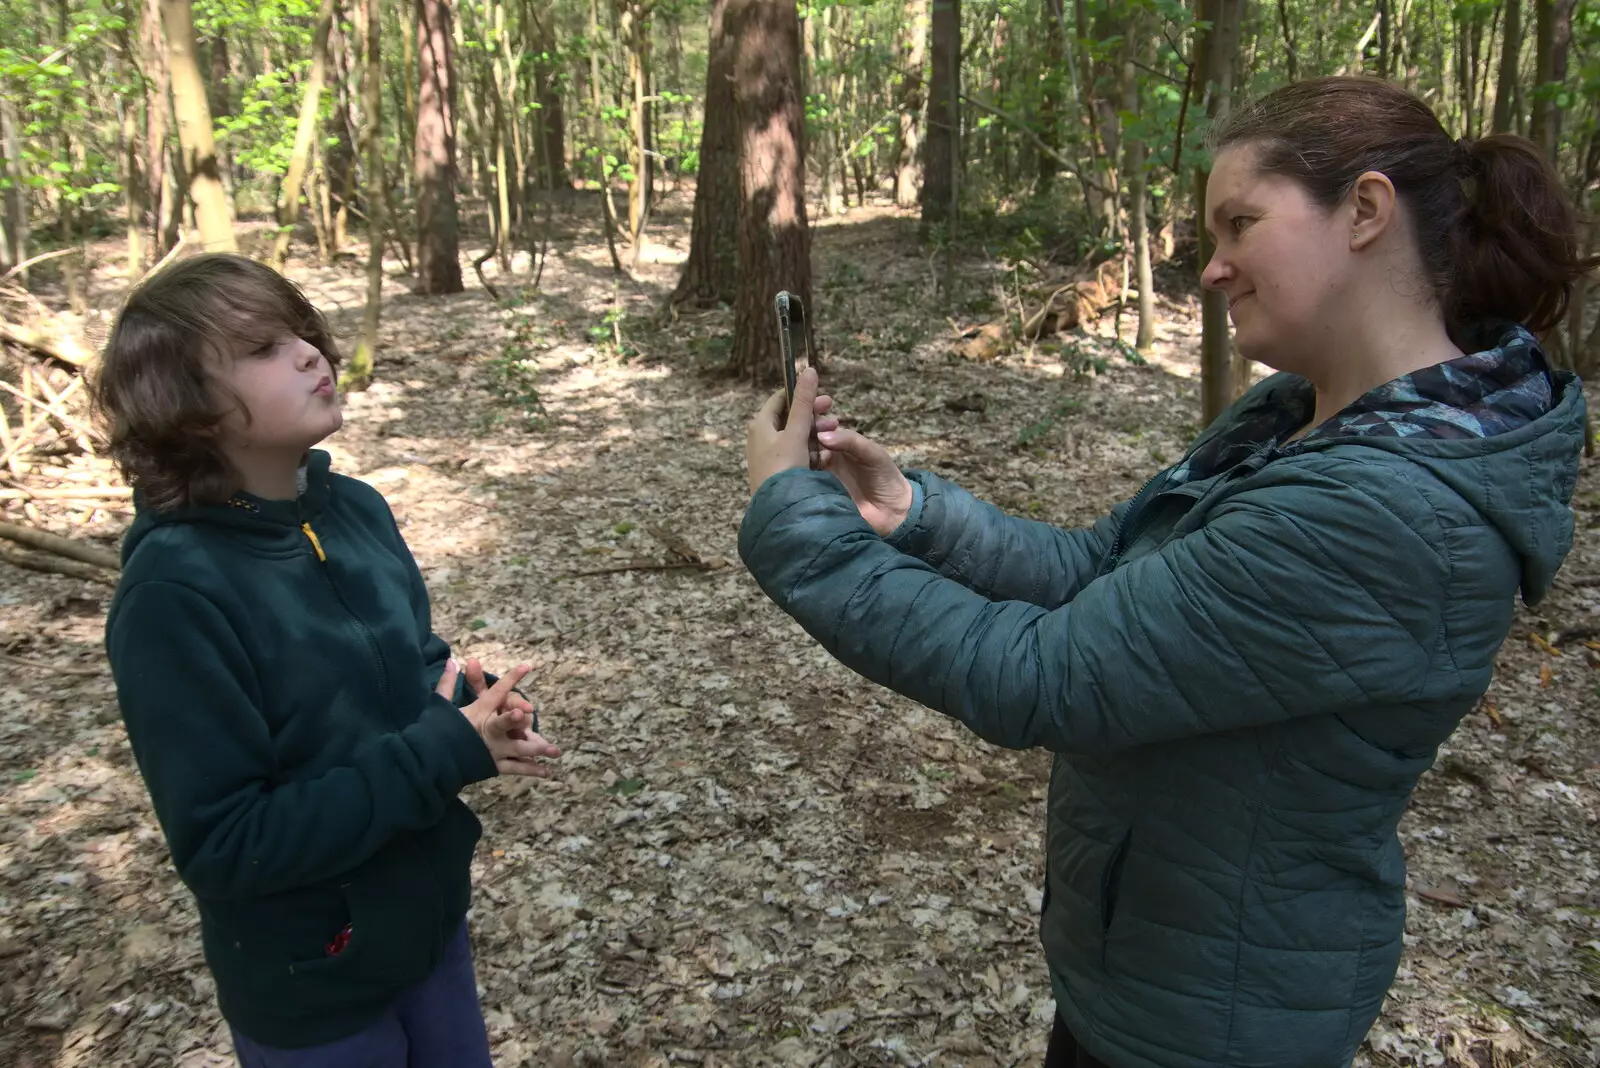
(625, 787)
(24, 776)
(477, 624)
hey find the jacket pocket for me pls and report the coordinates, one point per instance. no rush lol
(1110, 885)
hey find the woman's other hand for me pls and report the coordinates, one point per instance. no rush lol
(882, 494)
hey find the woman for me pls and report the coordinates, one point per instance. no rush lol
(1243, 670)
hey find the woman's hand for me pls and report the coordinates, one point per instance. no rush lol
(882, 494)
(501, 720)
(776, 441)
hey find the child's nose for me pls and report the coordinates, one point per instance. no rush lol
(307, 355)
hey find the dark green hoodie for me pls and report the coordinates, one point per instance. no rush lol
(275, 664)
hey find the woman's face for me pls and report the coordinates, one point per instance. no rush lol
(1283, 261)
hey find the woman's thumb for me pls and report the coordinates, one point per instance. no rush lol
(447, 681)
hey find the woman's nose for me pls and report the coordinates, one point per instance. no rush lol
(1216, 273)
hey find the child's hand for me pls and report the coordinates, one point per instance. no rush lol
(502, 720)
(479, 683)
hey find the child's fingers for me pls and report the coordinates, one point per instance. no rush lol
(533, 747)
(475, 677)
(447, 681)
(518, 767)
(496, 695)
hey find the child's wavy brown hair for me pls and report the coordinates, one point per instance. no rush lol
(156, 390)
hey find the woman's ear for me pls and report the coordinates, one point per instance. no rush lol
(1373, 202)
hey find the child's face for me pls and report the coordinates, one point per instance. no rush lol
(288, 388)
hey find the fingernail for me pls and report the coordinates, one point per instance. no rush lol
(828, 437)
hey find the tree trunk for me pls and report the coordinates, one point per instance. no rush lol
(194, 130)
(359, 374)
(1510, 56)
(438, 242)
(550, 126)
(305, 131)
(1138, 196)
(16, 200)
(1214, 50)
(913, 61)
(1055, 50)
(711, 273)
(154, 61)
(774, 241)
(636, 28)
(1553, 35)
(133, 189)
(1291, 57)
(941, 153)
(1101, 203)
(608, 210)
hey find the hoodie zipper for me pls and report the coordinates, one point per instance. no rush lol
(365, 631)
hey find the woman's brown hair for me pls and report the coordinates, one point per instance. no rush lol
(1495, 230)
(156, 390)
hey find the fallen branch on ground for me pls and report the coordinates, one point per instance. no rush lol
(55, 565)
(66, 350)
(650, 565)
(58, 669)
(64, 493)
(54, 543)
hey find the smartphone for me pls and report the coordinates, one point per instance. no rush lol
(794, 338)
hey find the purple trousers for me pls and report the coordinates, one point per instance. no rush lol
(1064, 1051)
(435, 1025)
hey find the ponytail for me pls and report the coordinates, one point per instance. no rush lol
(1515, 246)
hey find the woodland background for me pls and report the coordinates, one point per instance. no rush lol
(548, 233)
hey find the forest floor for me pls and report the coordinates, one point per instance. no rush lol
(752, 856)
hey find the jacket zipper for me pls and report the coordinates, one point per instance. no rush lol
(1119, 544)
(365, 631)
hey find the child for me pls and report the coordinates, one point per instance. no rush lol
(294, 716)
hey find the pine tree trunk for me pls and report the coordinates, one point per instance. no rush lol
(710, 274)
(1050, 99)
(908, 148)
(438, 240)
(1138, 197)
(16, 203)
(636, 28)
(194, 130)
(941, 153)
(305, 131)
(552, 127)
(133, 191)
(608, 210)
(774, 240)
(1213, 77)
(359, 374)
(1510, 56)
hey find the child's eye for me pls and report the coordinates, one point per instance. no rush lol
(265, 349)
(1239, 222)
